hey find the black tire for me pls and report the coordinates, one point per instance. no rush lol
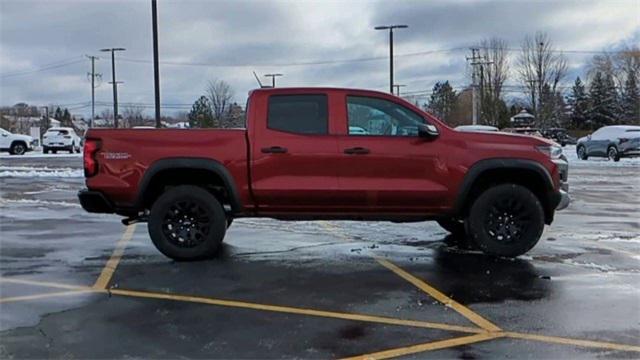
(54, 151)
(45, 150)
(582, 152)
(187, 223)
(229, 221)
(506, 220)
(453, 226)
(612, 153)
(72, 148)
(78, 150)
(18, 148)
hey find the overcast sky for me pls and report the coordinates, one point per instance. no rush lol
(43, 43)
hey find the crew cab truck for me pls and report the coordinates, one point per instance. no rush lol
(304, 156)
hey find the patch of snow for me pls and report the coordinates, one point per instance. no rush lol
(39, 154)
(600, 267)
(38, 202)
(42, 173)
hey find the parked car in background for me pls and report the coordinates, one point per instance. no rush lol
(613, 142)
(15, 144)
(477, 128)
(559, 135)
(61, 138)
(524, 131)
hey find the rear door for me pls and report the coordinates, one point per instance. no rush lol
(293, 152)
(384, 166)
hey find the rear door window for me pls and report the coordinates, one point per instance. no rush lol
(299, 114)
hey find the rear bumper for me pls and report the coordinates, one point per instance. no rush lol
(95, 202)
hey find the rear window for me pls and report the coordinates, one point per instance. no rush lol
(58, 132)
(300, 114)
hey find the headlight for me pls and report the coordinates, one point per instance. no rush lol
(552, 151)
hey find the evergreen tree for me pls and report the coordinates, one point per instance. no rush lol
(66, 118)
(201, 115)
(58, 114)
(603, 101)
(442, 100)
(578, 100)
(630, 101)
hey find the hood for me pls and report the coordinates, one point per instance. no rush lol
(503, 137)
(25, 138)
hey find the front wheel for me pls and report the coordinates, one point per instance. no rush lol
(582, 153)
(18, 149)
(187, 223)
(612, 154)
(506, 220)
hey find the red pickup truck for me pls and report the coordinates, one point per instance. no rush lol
(326, 153)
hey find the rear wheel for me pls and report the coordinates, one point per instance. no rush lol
(45, 150)
(187, 223)
(582, 153)
(506, 220)
(72, 148)
(612, 153)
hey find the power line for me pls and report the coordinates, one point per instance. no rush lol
(51, 66)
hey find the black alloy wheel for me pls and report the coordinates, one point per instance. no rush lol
(186, 224)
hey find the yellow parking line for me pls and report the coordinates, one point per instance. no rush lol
(42, 283)
(436, 345)
(436, 294)
(570, 341)
(114, 260)
(44, 296)
(294, 310)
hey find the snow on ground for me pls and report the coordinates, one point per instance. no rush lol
(36, 172)
(39, 154)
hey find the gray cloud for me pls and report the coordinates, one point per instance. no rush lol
(263, 33)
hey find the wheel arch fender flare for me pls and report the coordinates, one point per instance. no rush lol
(482, 166)
(206, 164)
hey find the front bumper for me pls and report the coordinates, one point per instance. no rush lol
(95, 202)
(565, 200)
(563, 194)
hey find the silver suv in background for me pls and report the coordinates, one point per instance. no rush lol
(613, 142)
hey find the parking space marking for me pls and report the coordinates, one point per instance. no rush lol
(44, 296)
(436, 294)
(107, 272)
(570, 341)
(42, 283)
(436, 345)
(295, 310)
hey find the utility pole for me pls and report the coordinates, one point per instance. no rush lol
(390, 28)
(156, 65)
(92, 75)
(397, 87)
(114, 82)
(474, 85)
(273, 78)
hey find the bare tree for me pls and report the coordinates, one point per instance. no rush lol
(541, 68)
(220, 96)
(106, 116)
(133, 115)
(493, 75)
(618, 65)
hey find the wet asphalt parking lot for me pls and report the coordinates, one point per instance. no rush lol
(79, 285)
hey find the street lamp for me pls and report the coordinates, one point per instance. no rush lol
(115, 84)
(273, 78)
(390, 28)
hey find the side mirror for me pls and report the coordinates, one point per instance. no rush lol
(5, 135)
(427, 131)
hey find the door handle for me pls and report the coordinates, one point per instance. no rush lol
(356, 151)
(274, 150)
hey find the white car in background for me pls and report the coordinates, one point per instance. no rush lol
(15, 144)
(61, 138)
(466, 128)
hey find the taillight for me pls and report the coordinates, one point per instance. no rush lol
(91, 147)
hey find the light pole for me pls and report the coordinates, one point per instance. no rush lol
(390, 28)
(156, 66)
(273, 78)
(113, 81)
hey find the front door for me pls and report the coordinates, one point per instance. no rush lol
(293, 155)
(385, 166)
